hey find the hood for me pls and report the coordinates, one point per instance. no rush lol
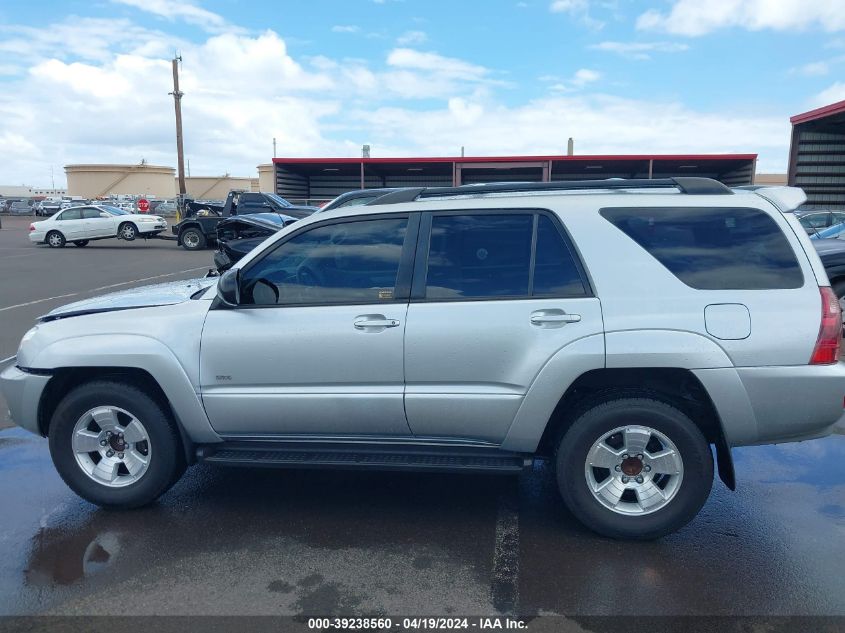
(144, 297)
(829, 246)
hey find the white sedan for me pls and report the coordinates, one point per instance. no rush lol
(94, 222)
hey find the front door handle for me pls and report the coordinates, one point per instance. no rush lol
(553, 318)
(374, 322)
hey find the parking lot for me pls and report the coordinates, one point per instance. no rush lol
(239, 541)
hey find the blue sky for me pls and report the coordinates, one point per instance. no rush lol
(88, 82)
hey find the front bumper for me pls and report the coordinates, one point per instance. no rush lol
(144, 228)
(22, 392)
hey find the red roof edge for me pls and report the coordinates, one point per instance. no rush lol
(818, 113)
(499, 159)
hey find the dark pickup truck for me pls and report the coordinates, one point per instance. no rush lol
(199, 227)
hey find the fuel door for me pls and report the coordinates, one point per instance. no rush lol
(727, 321)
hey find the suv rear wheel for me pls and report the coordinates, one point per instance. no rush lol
(114, 445)
(634, 468)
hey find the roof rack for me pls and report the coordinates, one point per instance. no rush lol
(689, 185)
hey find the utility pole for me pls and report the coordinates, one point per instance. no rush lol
(177, 100)
(274, 147)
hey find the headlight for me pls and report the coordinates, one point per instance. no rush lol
(148, 220)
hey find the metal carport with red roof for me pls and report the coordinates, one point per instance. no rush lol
(315, 180)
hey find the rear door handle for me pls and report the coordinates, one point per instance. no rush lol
(372, 322)
(553, 317)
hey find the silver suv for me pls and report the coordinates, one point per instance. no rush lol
(617, 328)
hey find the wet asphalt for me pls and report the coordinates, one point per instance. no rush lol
(240, 541)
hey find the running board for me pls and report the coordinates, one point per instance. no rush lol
(368, 457)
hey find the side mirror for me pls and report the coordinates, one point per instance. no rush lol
(228, 287)
(103, 214)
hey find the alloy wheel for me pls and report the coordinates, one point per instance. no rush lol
(634, 470)
(111, 446)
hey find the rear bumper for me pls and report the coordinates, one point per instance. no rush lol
(22, 392)
(36, 237)
(767, 405)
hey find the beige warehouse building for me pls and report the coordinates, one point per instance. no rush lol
(156, 181)
(93, 181)
(216, 187)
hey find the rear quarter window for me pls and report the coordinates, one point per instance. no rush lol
(713, 248)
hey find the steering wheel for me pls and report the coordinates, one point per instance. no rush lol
(308, 276)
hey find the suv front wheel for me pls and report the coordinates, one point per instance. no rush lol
(114, 445)
(634, 468)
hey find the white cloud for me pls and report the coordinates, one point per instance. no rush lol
(184, 10)
(568, 6)
(832, 94)
(579, 79)
(584, 76)
(111, 104)
(418, 60)
(579, 9)
(696, 17)
(412, 37)
(600, 124)
(349, 28)
(811, 69)
(640, 50)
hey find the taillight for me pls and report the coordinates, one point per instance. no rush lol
(830, 332)
(31, 227)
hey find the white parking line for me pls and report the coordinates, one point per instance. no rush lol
(123, 283)
(6, 360)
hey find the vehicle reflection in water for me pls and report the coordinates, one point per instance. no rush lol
(62, 559)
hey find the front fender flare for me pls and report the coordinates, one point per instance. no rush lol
(136, 352)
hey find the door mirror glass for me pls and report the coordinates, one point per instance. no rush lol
(228, 287)
(103, 214)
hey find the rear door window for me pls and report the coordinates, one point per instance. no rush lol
(475, 256)
(89, 213)
(713, 248)
(555, 272)
(499, 255)
(71, 214)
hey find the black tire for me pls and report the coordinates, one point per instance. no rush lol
(80, 243)
(54, 239)
(192, 239)
(166, 462)
(127, 231)
(603, 416)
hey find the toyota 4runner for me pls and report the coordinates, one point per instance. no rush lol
(618, 328)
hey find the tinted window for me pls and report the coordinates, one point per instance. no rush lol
(352, 262)
(472, 256)
(251, 198)
(814, 220)
(71, 214)
(555, 272)
(89, 213)
(714, 249)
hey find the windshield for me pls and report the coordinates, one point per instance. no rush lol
(278, 200)
(113, 210)
(832, 231)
